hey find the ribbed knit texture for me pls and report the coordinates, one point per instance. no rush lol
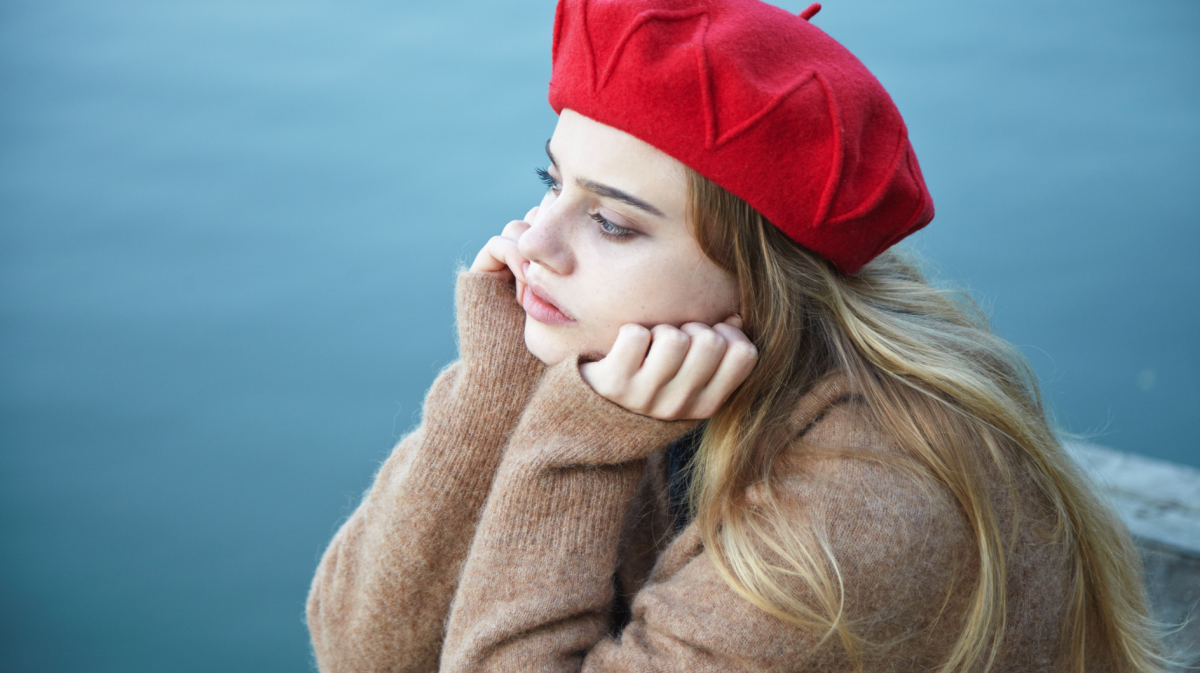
(495, 534)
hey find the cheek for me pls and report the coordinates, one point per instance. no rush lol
(702, 304)
(723, 294)
(666, 292)
(618, 294)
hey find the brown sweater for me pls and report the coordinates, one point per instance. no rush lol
(492, 535)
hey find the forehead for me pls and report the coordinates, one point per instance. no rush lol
(585, 149)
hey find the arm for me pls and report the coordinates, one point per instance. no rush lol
(384, 585)
(537, 586)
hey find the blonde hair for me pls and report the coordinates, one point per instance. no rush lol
(935, 379)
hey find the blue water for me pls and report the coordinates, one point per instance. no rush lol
(228, 233)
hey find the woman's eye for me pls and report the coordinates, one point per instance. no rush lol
(548, 180)
(609, 229)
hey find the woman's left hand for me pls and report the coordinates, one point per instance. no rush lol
(502, 258)
(673, 373)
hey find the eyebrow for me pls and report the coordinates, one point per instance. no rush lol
(609, 192)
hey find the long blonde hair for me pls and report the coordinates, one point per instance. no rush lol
(935, 379)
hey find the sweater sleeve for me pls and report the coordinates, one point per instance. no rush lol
(537, 586)
(384, 585)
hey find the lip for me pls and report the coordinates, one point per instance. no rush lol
(541, 306)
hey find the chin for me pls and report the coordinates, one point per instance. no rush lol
(543, 346)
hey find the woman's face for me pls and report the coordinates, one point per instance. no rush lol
(610, 245)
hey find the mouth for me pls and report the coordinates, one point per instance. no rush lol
(541, 306)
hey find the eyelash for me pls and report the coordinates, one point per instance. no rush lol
(547, 179)
(606, 228)
(609, 229)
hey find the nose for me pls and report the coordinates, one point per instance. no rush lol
(545, 242)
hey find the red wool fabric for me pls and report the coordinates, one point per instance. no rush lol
(756, 99)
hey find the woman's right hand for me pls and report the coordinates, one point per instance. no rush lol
(673, 373)
(501, 257)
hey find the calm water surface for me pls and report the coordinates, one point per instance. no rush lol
(228, 233)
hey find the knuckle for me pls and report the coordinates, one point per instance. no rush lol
(610, 386)
(640, 409)
(746, 351)
(659, 412)
(673, 405)
(604, 388)
(619, 395)
(633, 330)
(634, 336)
(708, 339)
(670, 335)
(641, 403)
(645, 400)
(674, 410)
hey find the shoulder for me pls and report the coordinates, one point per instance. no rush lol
(892, 547)
(901, 542)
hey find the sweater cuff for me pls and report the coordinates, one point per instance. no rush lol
(491, 327)
(568, 423)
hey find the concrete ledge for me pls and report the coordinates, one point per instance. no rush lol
(1160, 502)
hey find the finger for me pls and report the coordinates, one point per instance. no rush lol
(612, 374)
(628, 352)
(491, 257)
(737, 363)
(501, 249)
(678, 397)
(735, 320)
(513, 258)
(668, 348)
(514, 229)
(703, 357)
(531, 214)
(504, 253)
(732, 334)
(592, 373)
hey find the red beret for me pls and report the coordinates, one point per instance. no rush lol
(761, 102)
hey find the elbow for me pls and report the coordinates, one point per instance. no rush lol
(320, 608)
(317, 629)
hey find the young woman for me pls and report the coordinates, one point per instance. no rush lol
(705, 420)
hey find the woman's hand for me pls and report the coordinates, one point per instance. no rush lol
(501, 257)
(673, 374)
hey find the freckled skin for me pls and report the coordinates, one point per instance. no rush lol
(607, 266)
(655, 275)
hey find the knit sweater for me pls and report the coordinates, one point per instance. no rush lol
(508, 529)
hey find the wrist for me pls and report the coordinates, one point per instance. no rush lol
(491, 327)
(567, 422)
